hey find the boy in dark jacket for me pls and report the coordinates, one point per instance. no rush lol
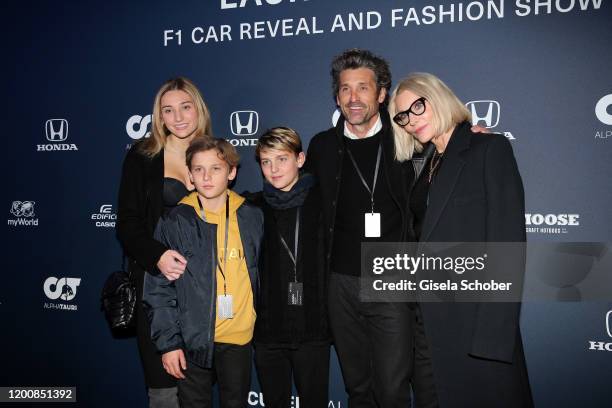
(202, 324)
(291, 333)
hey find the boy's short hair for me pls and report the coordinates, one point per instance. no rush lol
(225, 150)
(279, 138)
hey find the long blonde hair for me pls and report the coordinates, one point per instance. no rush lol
(447, 110)
(154, 144)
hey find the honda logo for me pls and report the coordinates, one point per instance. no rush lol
(244, 123)
(484, 111)
(609, 323)
(57, 130)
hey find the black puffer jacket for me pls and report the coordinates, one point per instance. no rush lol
(182, 312)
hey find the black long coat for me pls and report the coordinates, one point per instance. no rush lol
(139, 208)
(476, 348)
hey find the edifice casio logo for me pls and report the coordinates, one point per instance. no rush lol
(486, 113)
(56, 130)
(550, 223)
(603, 112)
(244, 123)
(23, 211)
(598, 345)
(64, 289)
(105, 217)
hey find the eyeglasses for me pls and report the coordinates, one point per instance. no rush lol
(417, 108)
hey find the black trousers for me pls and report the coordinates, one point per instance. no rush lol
(231, 370)
(374, 344)
(309, 364)
(154, 372)
(423, 384)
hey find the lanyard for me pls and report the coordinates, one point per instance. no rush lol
(294, 255)
(224, 242)
(361, 176)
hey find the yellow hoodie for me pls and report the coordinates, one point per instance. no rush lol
(239, 329)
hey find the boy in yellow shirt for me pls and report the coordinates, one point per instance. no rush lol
(203, 323)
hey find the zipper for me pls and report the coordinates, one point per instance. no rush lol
(213, 292)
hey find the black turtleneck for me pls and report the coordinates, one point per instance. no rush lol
(354, 202)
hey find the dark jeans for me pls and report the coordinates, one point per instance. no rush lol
(231, 370)
(374, 344)
(310, 367)
(423, 384)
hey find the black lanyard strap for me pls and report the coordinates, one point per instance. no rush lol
(224, 242)
(293, 255)
(365, 184)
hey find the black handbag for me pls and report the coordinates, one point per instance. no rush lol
(118, 300)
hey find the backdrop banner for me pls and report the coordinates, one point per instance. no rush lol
(80, 78)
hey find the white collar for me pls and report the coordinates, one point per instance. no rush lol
(373, 130)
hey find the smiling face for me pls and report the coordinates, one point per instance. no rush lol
(210, 175)
(423, 126)
(281, 168)
(359, 99)
(179, 113)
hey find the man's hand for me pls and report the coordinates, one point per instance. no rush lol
(172, 264)
(173, 361)
(480, 129)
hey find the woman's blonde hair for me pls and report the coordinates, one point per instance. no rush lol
(154, 144)
(447, 110)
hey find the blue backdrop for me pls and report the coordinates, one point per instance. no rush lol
(79, 82)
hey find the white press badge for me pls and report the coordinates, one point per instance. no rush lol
(225, 307)
(372, 219)
(372, 225)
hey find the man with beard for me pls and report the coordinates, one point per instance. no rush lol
(364, 199)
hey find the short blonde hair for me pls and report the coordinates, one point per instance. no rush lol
(154, 144)
(447, 110)
(279, 138)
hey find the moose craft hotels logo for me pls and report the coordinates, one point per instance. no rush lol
(61, 289)
(244, 123)
(23, 214)
(487, 113)
(599, 345)
(555, 224)
(56, 132)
